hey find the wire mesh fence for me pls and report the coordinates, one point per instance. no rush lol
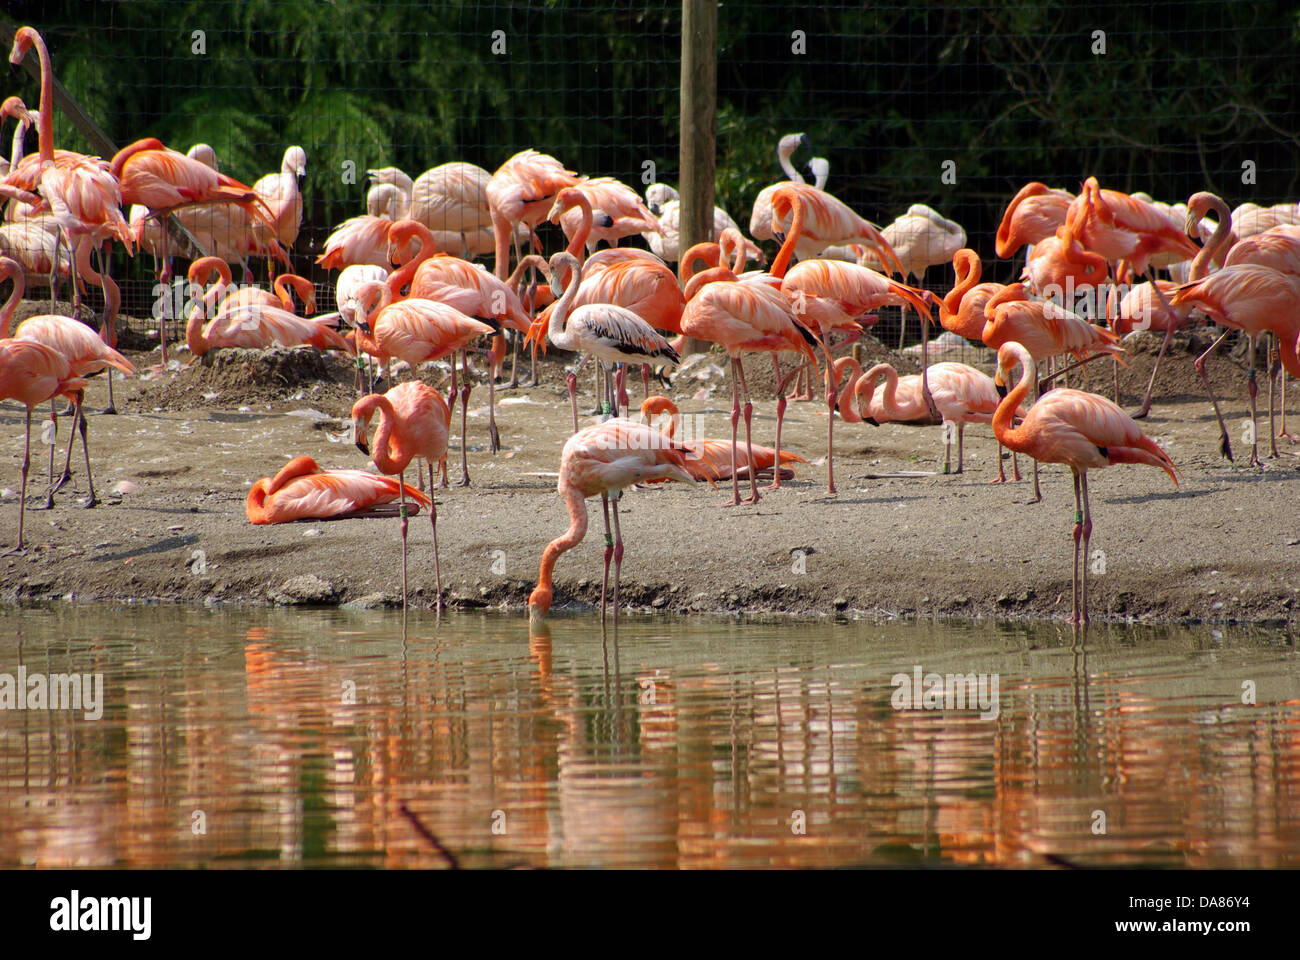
(953, 105)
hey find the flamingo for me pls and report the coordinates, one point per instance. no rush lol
(1122, 227)
(922, 237)
(303, 491)
(834, 294)
(604, 458)
(1139, 308)
(1250, 218)
(163, 180)
(257, 326)
(283, 198)
(606, 331)
(522, 191)
(1255, 300)
(471, 290)
(961, 311)
(31, 373)
(1033, 214)
(760, 217)
(413, 422)
(357, 240)
(962, 394)
(709, 459)
(810, 220)
(414, 330)
(663, 201)
(741, 316)
(619, 203)
(1079, 429)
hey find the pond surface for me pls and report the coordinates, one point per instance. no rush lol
(333, 738)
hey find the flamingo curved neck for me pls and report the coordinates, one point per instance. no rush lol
(1004, 416)
(578, 242)
(845, 404)
(13, 272)
(539, 601)
(1218, 242)
(557, 329)
(782, 261)
(381, 450)
(405, 274)
(969, 271)
(783, 156)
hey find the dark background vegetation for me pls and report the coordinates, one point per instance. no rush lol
(1185, 93)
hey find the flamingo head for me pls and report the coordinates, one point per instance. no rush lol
(14, 107)
(23, 40)
(295, 161)
(539, 602)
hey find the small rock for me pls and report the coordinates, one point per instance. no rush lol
(305, 589)
(733, 598)
(313, 532)
(1293, 542)
(371, 601)
(659, 602)
(125, 486)
(584, 583)
(961, 600)
(840, 603)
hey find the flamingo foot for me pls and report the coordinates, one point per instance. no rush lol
(494, 438)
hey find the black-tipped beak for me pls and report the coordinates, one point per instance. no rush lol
(778, 236)
(1001, 388)
(363, 446)
(871, 420)
(655, 208)
(803, 141)
(606, 220)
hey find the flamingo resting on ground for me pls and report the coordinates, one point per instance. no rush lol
(710, 459)
(604, 458)
(303, 491)
(1084, 431)
(413, 422)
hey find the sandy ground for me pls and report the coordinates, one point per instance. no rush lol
(173, 469)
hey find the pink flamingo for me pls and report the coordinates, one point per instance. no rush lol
(303, 491)
(710, 459)
(1147, 307)
(962, 308)
(1079, 429)
(962, 394)
(523, 190)
(31, 373)
(413, 422)
(1032, 215)
(618, 204)
(604, 458)
(1254, 300)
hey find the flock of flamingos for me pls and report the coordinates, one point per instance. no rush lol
(618, 305)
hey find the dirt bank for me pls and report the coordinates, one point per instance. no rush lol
(188, 444)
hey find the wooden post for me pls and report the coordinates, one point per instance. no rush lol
(699, 97)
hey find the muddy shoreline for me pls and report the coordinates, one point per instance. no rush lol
(172, 471)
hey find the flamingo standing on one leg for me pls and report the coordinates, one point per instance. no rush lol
(604, 458)
(32, 373)
(413, 422)
(1082, 430)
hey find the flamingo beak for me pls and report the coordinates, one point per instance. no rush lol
(359, 432)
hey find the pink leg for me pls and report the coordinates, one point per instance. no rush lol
(1078, 533)
(433, 520)
(1225, 445)
(735, 424)
(609, 553)
(780, 418)
(749, 439)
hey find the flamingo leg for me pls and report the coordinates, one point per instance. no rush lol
(1087, 536)
(1274, 364)
(780, 418)
(433, 521)
(925, 365)
(618, 553)
(1252, 389)
(1225, 445)
(1078, 533)
(22, 495)
(735, 424)
(54, 419)
(961, 454)
(749, 439)
(620, 380)
(609, 553)
(464, 413)
(645, 381)
(1015, 466)
(494, 435)
(1164, 345)
(401, 486)
(1002, 476)
(571, 381)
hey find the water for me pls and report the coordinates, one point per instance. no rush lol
(282, 738)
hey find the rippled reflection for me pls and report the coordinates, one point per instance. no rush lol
(278, 738)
